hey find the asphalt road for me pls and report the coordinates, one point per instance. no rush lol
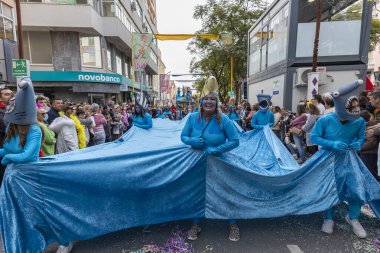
(295, 234)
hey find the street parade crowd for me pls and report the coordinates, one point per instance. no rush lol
(67, 126)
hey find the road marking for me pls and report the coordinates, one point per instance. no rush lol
(294, 249)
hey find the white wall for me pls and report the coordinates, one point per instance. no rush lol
(267, 87)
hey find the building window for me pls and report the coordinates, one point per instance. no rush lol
(109, 59)
(7, 26)
(108, 8)
(90, 52)
(153, 56)
(38, 45)
(119, 66)
(278, 36)
(254, 51)
(264, 41)
(340, 28)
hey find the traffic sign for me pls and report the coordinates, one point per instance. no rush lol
(20, 68)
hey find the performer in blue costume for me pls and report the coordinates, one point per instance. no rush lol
(141, 118)
(23, 136)
(342, 131)
(213, 132)
(167, 112)
(264, 116)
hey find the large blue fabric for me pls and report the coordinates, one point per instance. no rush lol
(150, 176)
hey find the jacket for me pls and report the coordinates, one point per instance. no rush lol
(67, 139)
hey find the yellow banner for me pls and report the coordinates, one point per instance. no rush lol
(186, 36)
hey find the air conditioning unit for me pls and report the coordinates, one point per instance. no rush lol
(133, 6)
(302, 76)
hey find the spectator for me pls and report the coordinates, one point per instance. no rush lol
(87, 123)
(329, 103)
(56, 106)
(117, 126)
(42, 101)
(310, 122)
(317, 101)
(100, 123)
(64, 127)
(277, 118)
(48, 140)
(298, 122)
(368, 152)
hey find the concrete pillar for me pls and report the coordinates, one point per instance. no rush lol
(66, 51)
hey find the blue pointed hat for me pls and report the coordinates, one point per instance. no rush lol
(22, 109)
(343, 98)
(264, 101)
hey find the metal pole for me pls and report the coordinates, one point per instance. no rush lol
(19, 30)
(232, 71)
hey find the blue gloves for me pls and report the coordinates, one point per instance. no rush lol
(196, 142)
(339, 145)
(5, 160)
(212, 151)
(355, 145)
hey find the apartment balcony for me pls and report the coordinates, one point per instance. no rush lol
(61, 17)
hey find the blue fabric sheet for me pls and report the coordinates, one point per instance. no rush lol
(150, 176)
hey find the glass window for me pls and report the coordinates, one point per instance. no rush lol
(278, 36)
(109, 59)
(7, 11)
(254, 50)
(127, 69)
(264, 40)
(8, 26)
(108, 9)
(90, 52)
(119, 66)
(40, 47)
(2, 35)
(340, 28)
(25, 45)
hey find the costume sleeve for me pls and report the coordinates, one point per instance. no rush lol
(148, 122)
(254, 121)
(360, 136)
(317, 135)
(2, 152)
(186, 132)
(31, 148)
(232, 136)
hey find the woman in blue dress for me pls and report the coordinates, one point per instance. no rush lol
(141, 118)
(213, 132)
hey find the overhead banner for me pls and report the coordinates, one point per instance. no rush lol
(186, 36)
(163, 82)
(141, 49)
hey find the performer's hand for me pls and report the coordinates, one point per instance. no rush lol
(197, 142)
(211, 151)
(5, 160)
(339, 145)
(355, 145)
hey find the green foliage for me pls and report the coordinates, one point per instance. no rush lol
(374, 37)
(223, 16)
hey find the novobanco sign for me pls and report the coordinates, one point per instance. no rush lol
(99, 78)
(76, 76)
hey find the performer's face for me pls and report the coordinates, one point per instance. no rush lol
(209, 103)
(353, 106)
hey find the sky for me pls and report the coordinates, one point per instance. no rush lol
(176, 16)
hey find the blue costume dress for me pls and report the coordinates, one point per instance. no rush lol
(13, 153)
(143, 122)
(218, 138)
(262, 118)
(328, 132)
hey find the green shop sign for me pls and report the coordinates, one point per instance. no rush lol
(76, 76)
